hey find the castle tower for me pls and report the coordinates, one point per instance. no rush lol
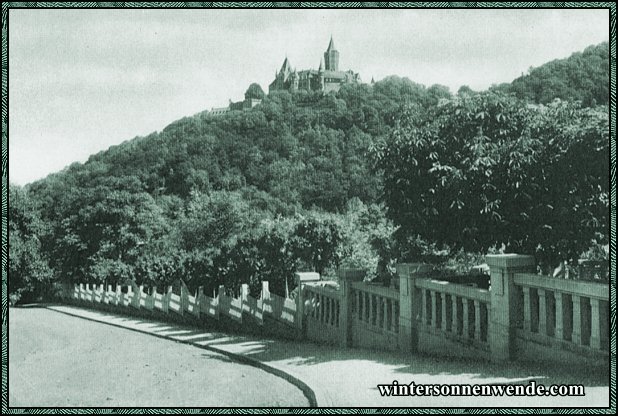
(331, 57)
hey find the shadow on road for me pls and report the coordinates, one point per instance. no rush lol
(305, 354)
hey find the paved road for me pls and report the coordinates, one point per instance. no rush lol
(59, 360)
(349, 377)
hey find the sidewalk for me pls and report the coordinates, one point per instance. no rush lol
(349, 377)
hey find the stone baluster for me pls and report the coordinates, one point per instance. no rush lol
(595, 323)
(443, 315)
(434, 310)
(465, 327)
(577, 336)
(542, 311)
(477, 320)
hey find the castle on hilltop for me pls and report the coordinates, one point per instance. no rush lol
(326, 78)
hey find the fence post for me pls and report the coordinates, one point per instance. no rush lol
(184, 297)
(136, 294)
(153, 297)
(346, 277)
(165, 300)
(502, 313)
(220, 294)
(265, 296)
(107, 294)
(119, 298)
(301, 279)
(244, 295)
(409, 303)
(197, 308)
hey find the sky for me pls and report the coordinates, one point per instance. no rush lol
(83, 80)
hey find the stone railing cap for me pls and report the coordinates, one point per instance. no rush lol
(510, 260)
(351, 274)
(308, 276)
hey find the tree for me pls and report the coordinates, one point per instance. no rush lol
(465, 90)
(486, 170)
(318, 242)
(30, 276)
(254, 91)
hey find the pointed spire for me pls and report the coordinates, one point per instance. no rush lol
(331, 45)
(321, 68)
(286, 67)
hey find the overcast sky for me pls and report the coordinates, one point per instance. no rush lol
(83, 80)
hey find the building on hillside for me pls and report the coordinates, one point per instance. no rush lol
(246, 104)
(326, 78)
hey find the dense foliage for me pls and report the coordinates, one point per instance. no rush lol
(486, 170)
(584, 76)
(368, 176)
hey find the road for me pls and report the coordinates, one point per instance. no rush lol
(59, 360)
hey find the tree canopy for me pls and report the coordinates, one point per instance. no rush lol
(486, 169)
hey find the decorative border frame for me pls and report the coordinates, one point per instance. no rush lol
(610, 6)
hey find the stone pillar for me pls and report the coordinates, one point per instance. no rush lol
(301, 280)
(409, 304)
(501, 331)
(346, 278)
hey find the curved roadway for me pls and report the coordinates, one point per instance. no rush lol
(59, 360)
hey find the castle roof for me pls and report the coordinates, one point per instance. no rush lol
(286, 67)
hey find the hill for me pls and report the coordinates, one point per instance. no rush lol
(583, 76)
(307, 181)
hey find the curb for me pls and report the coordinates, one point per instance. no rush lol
(307, 391)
